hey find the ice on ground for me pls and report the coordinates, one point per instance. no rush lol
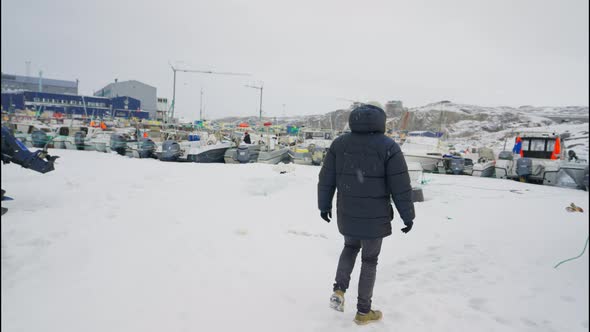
(108, 243)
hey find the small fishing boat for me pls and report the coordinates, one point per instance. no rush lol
(244, 153)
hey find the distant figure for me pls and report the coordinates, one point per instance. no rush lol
(247, 139)
(572, 155)
(145, 134)
(367, 169)
(272, 143)
(103, 125)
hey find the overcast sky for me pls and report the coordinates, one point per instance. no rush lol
(310, 55)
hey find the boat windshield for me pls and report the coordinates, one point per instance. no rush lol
(537, 144)
(540, 148)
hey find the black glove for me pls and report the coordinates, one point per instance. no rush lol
(326, 215)
(408, 227)
(51, 158)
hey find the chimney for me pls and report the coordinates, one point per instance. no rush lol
(40, 81)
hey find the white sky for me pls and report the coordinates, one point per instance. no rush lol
(311, 55)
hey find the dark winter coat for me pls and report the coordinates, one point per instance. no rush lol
(368, 169)
(247, 139)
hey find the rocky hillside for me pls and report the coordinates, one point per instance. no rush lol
(456, 120)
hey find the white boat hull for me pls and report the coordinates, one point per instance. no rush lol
(427, 162)
(484, 170)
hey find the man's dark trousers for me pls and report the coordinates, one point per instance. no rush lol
(370, 253)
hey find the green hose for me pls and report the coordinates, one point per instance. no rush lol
(571, 259)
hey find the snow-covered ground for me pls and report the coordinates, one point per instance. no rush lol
(108, 243)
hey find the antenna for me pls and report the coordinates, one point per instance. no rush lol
(201, 106)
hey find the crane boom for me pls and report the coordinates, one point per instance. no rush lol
(174, 70)
(212, 72)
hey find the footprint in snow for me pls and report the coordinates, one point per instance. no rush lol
(479, 304)
(502, 320)
(241, 232)
(307, 234)
(567, 298)
(528, 322)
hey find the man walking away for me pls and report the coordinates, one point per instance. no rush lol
(368, 169)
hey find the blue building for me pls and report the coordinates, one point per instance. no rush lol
(73, 105)
(28, 83)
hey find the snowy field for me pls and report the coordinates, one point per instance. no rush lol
(108, 243)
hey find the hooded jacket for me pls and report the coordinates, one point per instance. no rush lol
(367, 169)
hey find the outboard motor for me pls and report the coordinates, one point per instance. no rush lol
(243, 154)
(14, 151)
(39, 138)
(457, 165)
(147, 147)
(317, 156)
(524, 168)
(170, 151)
(118, 144)
(79, 137)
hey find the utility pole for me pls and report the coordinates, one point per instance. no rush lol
(40, 81)
(174, 70)
(261, 87)
(201, 106)
(173, 94)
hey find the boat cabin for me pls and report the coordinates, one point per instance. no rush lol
(539, 146)
(317, 135)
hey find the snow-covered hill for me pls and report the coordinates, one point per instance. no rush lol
(455, 119)
(460, 120)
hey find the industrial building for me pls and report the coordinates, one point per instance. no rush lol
(39, 84)
(73, 105)
(145, 93)
(394, 108)
(163, 107)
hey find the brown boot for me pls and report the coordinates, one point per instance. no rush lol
(371, 316)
